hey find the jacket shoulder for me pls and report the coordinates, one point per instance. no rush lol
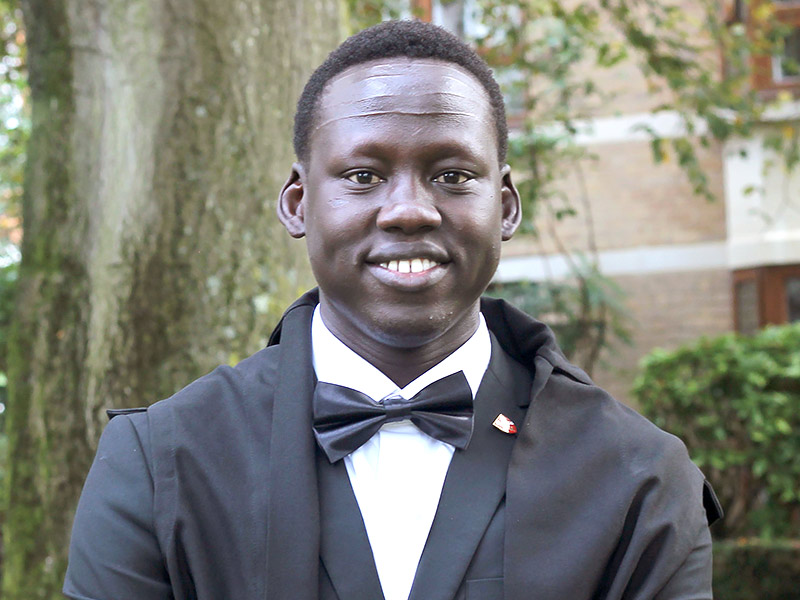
(639, 442)
(249, 381)
(224, 382)
(226, 403)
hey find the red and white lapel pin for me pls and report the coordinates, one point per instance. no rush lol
(504, 424)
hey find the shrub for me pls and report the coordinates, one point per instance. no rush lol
(735, 401)
(749, 568)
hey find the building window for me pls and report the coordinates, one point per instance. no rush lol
(766, 296)
(786, 67)
(792, 285)
(746, 300)
(772, 74)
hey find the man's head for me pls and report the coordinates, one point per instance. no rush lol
(410, 39)
(403, 203)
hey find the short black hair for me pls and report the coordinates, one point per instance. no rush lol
(412, 39)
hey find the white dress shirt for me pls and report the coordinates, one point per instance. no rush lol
(400, 471)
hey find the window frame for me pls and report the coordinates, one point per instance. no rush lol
(767, 69)
(771, 300)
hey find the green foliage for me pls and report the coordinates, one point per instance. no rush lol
(586, 313)
(551, 54)
(735, 401)
(360, 14)
(14, 131)
(8, 285)
(750, 568)
(14, 114)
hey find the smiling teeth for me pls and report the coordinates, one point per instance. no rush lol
(415, 265)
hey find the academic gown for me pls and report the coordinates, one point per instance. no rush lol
(220, 492)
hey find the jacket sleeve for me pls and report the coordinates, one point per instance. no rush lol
(692, 581)
(114, 552)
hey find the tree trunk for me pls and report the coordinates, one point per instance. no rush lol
(161, 135)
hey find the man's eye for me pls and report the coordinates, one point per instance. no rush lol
(363, 177)
(452, 177)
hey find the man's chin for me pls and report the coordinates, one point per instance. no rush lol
(417, 330)
(401, 326)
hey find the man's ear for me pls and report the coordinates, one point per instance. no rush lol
(512, 209)
(291, 206)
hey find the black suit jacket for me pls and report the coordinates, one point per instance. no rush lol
(219, 492)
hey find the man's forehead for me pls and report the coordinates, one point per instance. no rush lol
(403, 85)
(383, 72)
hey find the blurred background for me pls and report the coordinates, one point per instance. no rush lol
(656, 146)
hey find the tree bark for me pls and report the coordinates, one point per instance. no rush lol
(161, 135)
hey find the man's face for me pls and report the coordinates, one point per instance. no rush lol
(402, 201)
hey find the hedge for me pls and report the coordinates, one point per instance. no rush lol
(752, 569)
(735, 402)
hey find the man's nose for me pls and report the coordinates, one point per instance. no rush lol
(409, 207)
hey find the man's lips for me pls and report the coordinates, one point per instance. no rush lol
(408, 272)
(408, 280)
(409, 266)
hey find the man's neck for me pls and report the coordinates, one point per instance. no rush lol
(399, 360)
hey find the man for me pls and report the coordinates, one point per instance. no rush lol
(400, 437)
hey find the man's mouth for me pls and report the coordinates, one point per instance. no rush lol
(413, 265)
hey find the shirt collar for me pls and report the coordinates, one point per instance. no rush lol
(336, 363)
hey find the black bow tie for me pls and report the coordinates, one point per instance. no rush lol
(345, 419)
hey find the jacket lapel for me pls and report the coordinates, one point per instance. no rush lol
(475, 482)
(344, 546)
(293, 517)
